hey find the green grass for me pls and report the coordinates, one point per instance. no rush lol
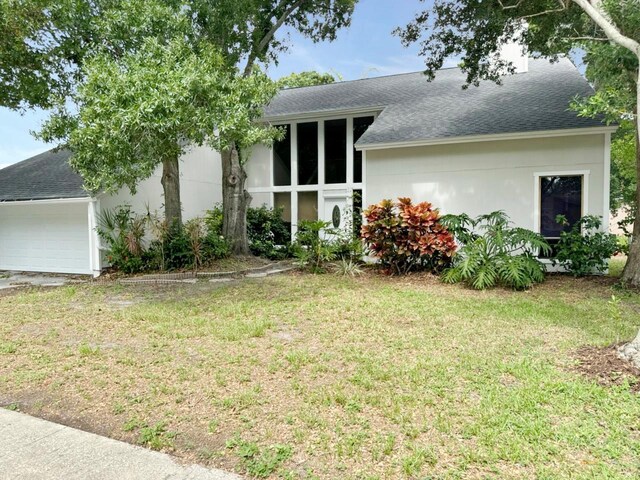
(335, 377)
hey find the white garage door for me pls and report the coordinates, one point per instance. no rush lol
(45, 238)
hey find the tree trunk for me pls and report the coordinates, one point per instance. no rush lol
(235, 201)
(631, 351)
(171, 186)
(631, 273)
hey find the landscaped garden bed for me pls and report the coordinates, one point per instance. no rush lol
(327, 376)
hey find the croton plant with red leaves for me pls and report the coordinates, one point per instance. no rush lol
(406, 237)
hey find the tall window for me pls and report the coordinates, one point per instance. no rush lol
(282, 160)
(360, 126)
(559, 195)
(335, 151)
(308, 153)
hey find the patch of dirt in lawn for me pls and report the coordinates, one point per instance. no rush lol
(604, 366)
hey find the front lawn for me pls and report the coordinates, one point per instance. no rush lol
(327, 377)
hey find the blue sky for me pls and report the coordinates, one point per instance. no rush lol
(366, 49)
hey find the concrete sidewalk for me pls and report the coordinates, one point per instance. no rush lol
(35, 449)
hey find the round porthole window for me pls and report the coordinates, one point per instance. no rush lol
(335, 216)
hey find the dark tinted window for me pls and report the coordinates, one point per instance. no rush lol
(308, 153)
(335, 151)
(360, 126)
(282, 159)
(559, 196)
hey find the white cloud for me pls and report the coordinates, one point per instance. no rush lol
(393, 65)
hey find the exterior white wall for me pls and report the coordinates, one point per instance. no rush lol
(200, 186)
(481, 177)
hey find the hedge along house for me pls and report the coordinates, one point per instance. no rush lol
(48, 221)
(515, 147)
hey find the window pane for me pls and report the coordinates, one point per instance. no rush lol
(559, 196)
(307, 206)
(308, 153)
(360, 126)
(335, 151)
(283, 200)
(282, 159)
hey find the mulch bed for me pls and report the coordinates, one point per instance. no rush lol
(603, 365)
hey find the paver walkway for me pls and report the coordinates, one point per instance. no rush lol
(35, 449)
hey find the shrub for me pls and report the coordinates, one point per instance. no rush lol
(494, 252)
(215, 247)
(406, 237)
(177, 249)
(123, 233)
(192, 246)
(268, 234)
(314, 248)
(170, 248)
(584, 249)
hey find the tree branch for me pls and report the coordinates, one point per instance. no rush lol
(600, 18)
(594, 39)
(264, 42)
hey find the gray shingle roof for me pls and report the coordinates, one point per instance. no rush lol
(414, 109)
(45, 176)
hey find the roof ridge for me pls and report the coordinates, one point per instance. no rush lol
(342, 82)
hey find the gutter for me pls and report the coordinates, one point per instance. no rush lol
(566, 132)
(45, 201)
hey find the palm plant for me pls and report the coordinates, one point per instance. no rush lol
(494, 252)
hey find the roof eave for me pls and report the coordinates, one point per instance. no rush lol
(86, 199)
(320, 114)
(565, 132)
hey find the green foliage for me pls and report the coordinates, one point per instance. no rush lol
(260, 462)
(494, 252)
(624, 174)
(269, 235)
(122, 232)
(406, 237)
(47, 42)
(305, 79)
(170, 247)
(314, 249)
(348, 267)
(585, 249)
(475, 30)
(156, 436)
(177, 249)
(152, 105)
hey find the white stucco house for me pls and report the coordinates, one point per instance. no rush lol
(47, 220)
(515, 147)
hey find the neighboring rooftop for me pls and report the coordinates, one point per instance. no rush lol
(45, 176)
(413, 109)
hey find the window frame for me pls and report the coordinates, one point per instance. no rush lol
(584, 203)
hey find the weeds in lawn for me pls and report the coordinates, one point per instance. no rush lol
(156, 436)
(88, 350)
(260, 462)
(8, 347)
